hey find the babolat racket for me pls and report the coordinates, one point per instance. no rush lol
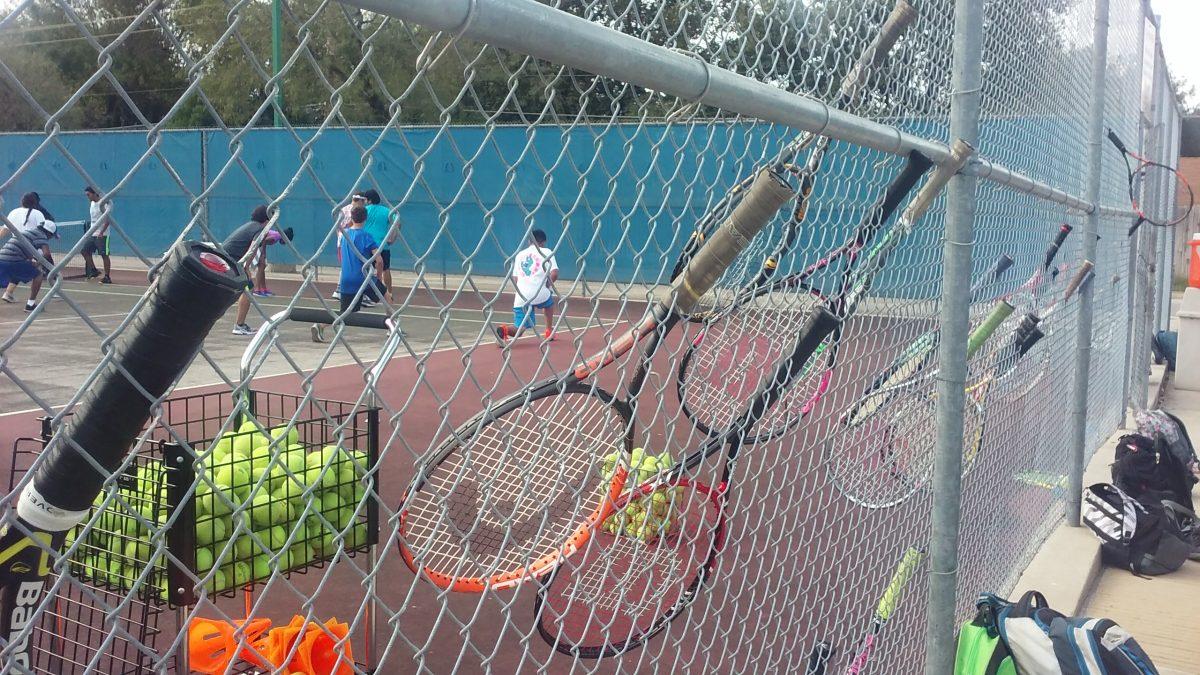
(193, 288)
(650, 559)
(520, 484)
(752, 264)
(1138, 171)
(818, 660)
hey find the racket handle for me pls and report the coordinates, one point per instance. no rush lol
(1112, 136)
(819, 324)
(194, 287)
(902, 16)
(1000, 312)
(1059, 238)
(960, 152)
(895, 588)
(1076, 281)
(766, 196)
(818, 658)
(1001, 266)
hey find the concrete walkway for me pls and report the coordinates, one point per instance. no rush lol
(1163, 613)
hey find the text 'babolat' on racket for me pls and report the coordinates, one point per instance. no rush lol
(521, 484)
(652, 557)
(192, 289)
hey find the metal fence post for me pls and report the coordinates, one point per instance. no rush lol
(1083, 338)
(966, 84)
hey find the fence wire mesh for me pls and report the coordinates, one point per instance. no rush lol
(312, 451)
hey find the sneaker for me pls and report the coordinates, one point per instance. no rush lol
(7, 298)
(30, 306)
(336, 295)
(501, 333)
(106, 280)
(549, 335)
(262, 293)
(91, 274)
(243, 329)
(367, 302)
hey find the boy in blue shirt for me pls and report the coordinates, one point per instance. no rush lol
(358, 247)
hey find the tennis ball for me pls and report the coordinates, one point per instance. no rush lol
(299, 555)
(216, 582)
(291, 436)
(204, 559)
(334, 510)
(317, 475)
(210, 530)
(262, 566)
(289, 491)
(243, 548)
(214, 504)
(274, 537)
(238, 573)
(262, 513)
(244, 444)
(137, 551)
(357, 536)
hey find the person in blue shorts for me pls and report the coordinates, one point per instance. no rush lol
(534, 273)
(360, 253)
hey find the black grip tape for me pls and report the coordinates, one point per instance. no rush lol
(819, 324)
(357, 319)
(1059, 238)
(193, 289)
(1004, 262)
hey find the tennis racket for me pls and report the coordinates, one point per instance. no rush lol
(822, 653)
(624, 588)
(520, 484)
(194, 287)
(911, 363)
(752, 262)
(1137, 168)
(884, 458)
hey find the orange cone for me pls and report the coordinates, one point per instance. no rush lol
(319, 652)
(212, 643)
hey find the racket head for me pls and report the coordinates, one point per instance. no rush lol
(516, 488)
(619, 590)
(881, 460)
(732, 357)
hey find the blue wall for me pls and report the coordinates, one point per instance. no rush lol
(617, 203)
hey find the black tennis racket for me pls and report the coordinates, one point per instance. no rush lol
(752, 264)
(623, 589)
(193, 288)
(520, 485)
(1137, 169)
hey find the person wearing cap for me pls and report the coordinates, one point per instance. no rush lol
(245, 245)
(18, 258)
(97, 238)
(341, 224)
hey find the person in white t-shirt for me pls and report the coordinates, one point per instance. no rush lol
(26, 216)
(534, 273)
(97, 238)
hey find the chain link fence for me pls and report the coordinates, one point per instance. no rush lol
(283, 474)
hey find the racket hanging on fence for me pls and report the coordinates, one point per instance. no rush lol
(621, 590)
(1137, 172)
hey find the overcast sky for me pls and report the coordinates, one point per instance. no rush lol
(1181, 44)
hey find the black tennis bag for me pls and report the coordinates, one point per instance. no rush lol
(1147, 470)
(1143, 538)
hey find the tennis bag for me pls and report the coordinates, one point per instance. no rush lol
(1046, 642)
(980, 650)
(1139, 537)
(1151, 422)
(1147, 470)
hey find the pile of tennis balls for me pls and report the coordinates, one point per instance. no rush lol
(117, 547)
(272, 490)
(649, 516)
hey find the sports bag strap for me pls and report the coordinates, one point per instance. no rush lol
(1029, 602)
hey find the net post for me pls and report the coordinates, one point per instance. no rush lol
(966, 86)
(1083, 335)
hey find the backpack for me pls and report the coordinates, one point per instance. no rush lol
(1046, 642)
(1146, 470)
(1151, 422)
(1139, 537)
(980, 650)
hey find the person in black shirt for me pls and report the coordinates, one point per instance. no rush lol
(240, 245)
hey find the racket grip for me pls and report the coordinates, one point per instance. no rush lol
(1059, 238)
(1076, 281)
(817, 326)
(901, 17)
(960, 152)
(1115, 140)
(766, 196)
(193, 289)
(818, 658)
(1004, 262)
(1001, 311)
(895, 588)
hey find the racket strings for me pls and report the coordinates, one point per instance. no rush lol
(515, 490)
(619, 586)
(737, 355)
